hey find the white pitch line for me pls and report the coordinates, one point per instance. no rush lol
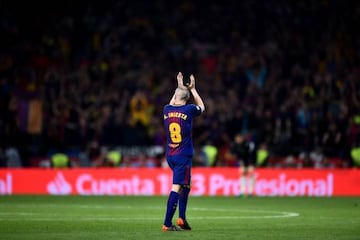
(147, 219)
(56, 217)
(149, 208)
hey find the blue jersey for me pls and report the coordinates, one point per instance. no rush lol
(178, 126)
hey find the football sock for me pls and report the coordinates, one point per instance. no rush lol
(251, 182)
(171, 208)
(183, 199)
(242, 184)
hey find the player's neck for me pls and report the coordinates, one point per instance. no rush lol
(179, 103)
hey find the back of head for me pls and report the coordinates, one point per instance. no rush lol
(182, 94)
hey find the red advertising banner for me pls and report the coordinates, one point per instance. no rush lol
(157, 181)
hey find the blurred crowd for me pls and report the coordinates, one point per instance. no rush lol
(85, 77)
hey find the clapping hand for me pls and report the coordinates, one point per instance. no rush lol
(180, 79)
(191, 85)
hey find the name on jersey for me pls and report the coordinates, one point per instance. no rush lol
(175, 115)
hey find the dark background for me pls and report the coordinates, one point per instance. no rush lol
(283, 73)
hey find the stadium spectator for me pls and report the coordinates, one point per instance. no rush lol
(355, 156)
(112, 158)
(210, 151)
(60, 160)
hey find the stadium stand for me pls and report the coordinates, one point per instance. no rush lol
(89, 76)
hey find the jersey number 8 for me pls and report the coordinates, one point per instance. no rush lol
(175, 132)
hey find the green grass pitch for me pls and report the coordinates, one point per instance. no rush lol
(120, 217)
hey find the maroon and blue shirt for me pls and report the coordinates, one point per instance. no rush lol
(178, 126)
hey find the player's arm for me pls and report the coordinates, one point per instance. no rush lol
(197, 99)
(180, 82)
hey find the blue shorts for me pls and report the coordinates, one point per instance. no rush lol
(181, 167)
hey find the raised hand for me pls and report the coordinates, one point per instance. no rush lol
(191, 85)
(180, 78)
